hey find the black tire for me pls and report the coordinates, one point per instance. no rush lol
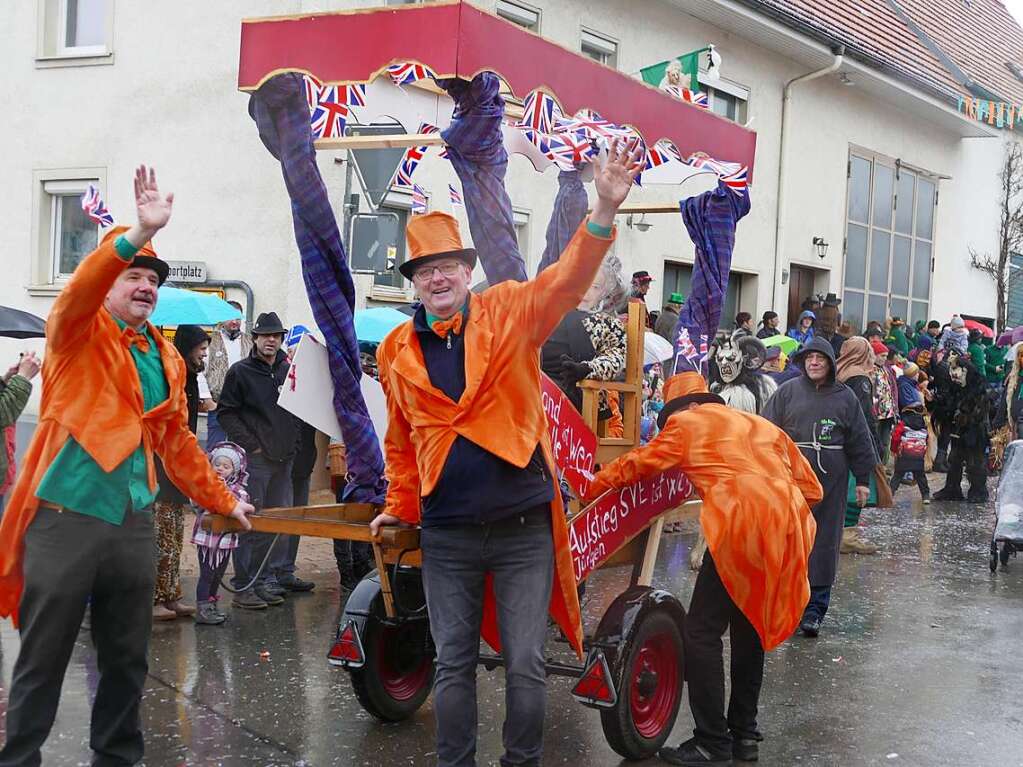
(659, 634)
(398, 674)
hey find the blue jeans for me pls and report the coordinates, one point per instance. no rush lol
(820, 599)
(519, 553)
(269, 486)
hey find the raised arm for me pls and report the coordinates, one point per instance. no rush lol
(538, 306)
(659, 455)
(81, 299)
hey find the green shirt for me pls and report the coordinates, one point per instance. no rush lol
(77, 483)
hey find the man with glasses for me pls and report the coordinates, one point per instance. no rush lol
(468, 459)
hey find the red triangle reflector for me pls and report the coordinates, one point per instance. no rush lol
(595, 687)
(347, 648)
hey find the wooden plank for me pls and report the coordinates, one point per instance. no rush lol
(392, 141)
(589, 383)
(385, 582)
(397, 537)
(642, 207)
(653, 542)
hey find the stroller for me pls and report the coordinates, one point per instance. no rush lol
(1008, 536)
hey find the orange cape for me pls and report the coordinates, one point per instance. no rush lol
(757, 489)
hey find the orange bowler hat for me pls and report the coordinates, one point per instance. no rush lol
(683, 390)
(432, 236)
(145, 256)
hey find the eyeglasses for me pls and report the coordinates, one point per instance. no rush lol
(425, 273)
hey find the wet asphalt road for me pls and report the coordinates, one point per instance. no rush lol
(920, 663)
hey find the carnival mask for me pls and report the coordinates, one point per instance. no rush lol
(732, 356)
(956, 370)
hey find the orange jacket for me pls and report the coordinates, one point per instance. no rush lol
(757, 489)
(500, 409)
(91, 392)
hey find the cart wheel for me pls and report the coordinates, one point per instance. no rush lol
(651, 689)
(398, 674)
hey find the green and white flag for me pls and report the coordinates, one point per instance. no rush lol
(656, 75)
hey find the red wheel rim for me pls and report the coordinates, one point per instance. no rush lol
(654, 685)
(403, 670)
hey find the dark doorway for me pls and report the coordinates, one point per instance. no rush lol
(801, 284)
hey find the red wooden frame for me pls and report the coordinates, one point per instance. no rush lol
(457, 39)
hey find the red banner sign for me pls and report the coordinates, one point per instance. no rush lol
(617, 516)
(574, 444)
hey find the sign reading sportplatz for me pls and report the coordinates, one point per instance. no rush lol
(187, 271)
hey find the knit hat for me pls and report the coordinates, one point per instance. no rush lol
(878, 347)
(957, 322)
(227, 450)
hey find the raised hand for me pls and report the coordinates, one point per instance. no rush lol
(613, 180)
(152, 209)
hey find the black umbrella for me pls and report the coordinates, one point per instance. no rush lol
(15, 323)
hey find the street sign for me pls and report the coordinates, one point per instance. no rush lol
(375, 167)
(187, 271)
(375, 241)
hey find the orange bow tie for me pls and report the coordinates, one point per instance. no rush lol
(443, 327)
(131, 337)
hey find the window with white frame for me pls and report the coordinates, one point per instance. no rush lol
(524, 15)
(71, 235)
(75, 32)
(726, 98)
(599, 48)
(520, 219)
(889, 245)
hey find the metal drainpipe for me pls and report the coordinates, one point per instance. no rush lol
(779, 229)
(240, 285)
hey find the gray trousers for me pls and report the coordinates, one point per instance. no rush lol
(72, 560)
(519, 553)
(269, 486)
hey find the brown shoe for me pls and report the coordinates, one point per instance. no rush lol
(180, 609)
(161, 613)
(853, 544)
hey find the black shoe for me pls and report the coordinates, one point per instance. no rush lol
(248, 600)
(811, 626)
(971, 498)
(746, 749)
(349, 581)
(294, 583)
(692, 754)
(949, 495)
(268, 596)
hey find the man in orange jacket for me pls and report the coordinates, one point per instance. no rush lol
(757, 489)
(468, 459)
(78, 529)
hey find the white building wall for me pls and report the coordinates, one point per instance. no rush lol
(170, 100)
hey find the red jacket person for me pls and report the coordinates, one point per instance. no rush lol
(757, 489)
(78, 529)
(469, 459)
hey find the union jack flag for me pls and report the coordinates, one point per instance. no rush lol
(94, 207)
(687, 355)
(418, 200)
(312, 90)
(540, 112)
(659, 154)
(593, 125)
(456, 196)
(698, 98)
(568, 149)
(408, 72)
(328, 117)
(701, 161)
(407, 166)
(738, 181)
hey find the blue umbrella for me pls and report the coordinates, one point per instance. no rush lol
(372, 325)
(177, 306)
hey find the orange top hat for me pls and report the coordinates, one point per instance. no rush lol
(432, 236)
(683, 390)
(145, 256)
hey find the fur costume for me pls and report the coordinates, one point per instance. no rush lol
(735, 373)
(969, 431)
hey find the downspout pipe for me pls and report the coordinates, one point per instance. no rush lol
(241, 285)
(786, 106)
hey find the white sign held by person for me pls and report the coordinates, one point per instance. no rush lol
(308, 391)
